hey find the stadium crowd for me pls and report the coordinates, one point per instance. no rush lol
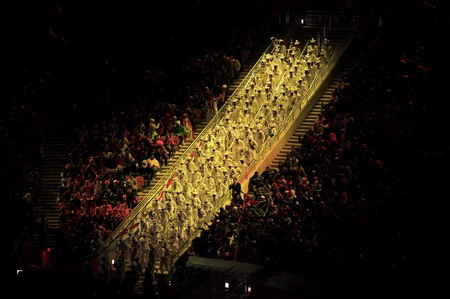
(346, 207)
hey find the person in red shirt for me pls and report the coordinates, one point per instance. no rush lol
(46, 258)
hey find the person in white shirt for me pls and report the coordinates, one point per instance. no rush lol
(244, 116)
(183, 234)
(182, 168)
(190, 165)
(201, 217)
(164, 259)
(170, 206)
(249, 155)
(144, 223)
(204, 191)
(253, 146)
(210, 183)
(176, 185)
(196, 200)
(182, 216)
(272, 130)
(179, 199)
(188, 188)
(226, 181)
(214, 199)
(182, 177)
(164, 216)
(155, 230)
(248, 132)
(190, 212)
(242, 166)
(227, 161)
(208, 207)
(156, 206)
(238, 146)
(260, 138)
(144, 250)
(196, 178)
(216, 171)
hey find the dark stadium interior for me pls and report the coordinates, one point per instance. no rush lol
(358, 211)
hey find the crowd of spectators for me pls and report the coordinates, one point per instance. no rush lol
(351, 204)
(100, 181)
(347, 206)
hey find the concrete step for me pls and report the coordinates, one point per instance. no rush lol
(310, 118)
(292, 143)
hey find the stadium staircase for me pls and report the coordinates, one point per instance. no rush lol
(55, 153)
(309, 120)
(56, 147)
(303, 36)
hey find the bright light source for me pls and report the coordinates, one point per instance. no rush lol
(249, 289)
(302, 21)
(227, 285)
(112, 261)
(170, 282)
